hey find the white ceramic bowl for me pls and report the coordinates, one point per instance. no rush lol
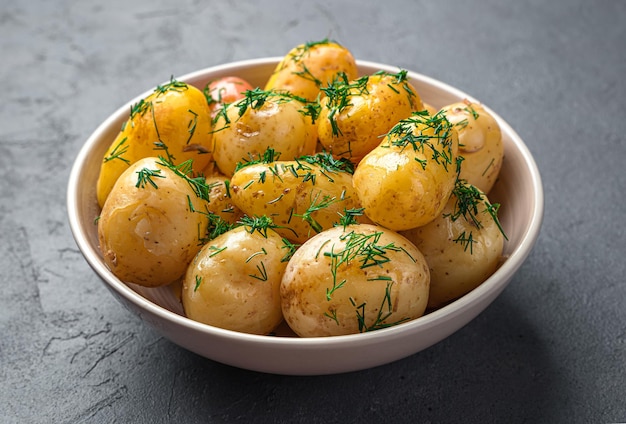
(518, 189)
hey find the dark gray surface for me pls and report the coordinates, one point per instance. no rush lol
(551, 349)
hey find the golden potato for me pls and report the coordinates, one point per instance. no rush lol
(303, 197)
(480, 143)
(173, 121)
(353, 279)
(310, 66)
(463, 245)
(356, 114)
(152, 224)
(247, 128)
(406, 181)
(234, 281)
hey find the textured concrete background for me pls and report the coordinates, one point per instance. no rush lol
(551, 349)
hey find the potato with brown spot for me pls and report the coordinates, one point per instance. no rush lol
(463, 247)
(353, 279)
(234, 281)
(303, 197)
(151, 224)
(264, 119)
(174, 119)
(309, 66)
(356, 114)
(406, 181)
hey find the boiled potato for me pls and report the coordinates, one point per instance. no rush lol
(151, 225)
(406, 181)
(225, 90)
(174, 121)
(480, 143)
(463, 245)
(353, 279)
(220, 202)
(310, 66)
(356, 114)
(234, 281)
(263, 119)
(303, 197)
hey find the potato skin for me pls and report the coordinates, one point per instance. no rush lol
(176, 114)
(149, 235)
(458, 265)
(234, 282)
(286, 190)
(480, 143)
(220, 202)
(225, 90)
(359, 113)
(335, 285)
(406, 181)
(279, 122)
(309, 66)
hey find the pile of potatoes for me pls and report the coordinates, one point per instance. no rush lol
(336, 202)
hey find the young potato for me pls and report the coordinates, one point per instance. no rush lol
(220, 202)
(234, 281)
(310, 66)
(263, 119)
(173, 121)
(303, 197)
(353, 279)
(356, 114)
(463, 245)
(151, 224)
(225, 90)
(406, 181)
(480, 143)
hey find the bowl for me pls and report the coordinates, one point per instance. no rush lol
(518, 190)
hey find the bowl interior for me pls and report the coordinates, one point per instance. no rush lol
(518, 190)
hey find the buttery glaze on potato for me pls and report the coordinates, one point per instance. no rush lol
(406, 181)
(262, 120)
(480, 143)
(308, 67)
(302, 197)
(356, 114)
(353, 279)
(151, 224)
(174, 119)
(234, 281)
(462, 249)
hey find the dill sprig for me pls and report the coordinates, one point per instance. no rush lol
(421, 131)
(185, 170)
(363, 248)
(468, 199)
(385, 310)
(145, 177)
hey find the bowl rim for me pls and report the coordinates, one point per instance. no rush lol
(493, 285)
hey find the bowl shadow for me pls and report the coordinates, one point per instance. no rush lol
(496, 369)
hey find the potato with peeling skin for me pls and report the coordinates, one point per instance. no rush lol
(246, 129)
(480, 143)
(234, 281)
(175, 115)
(151, 224)
(462, 249)
(356, 114)
(310, 66)
(353, 279)
(302, 197)
(406, 181)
